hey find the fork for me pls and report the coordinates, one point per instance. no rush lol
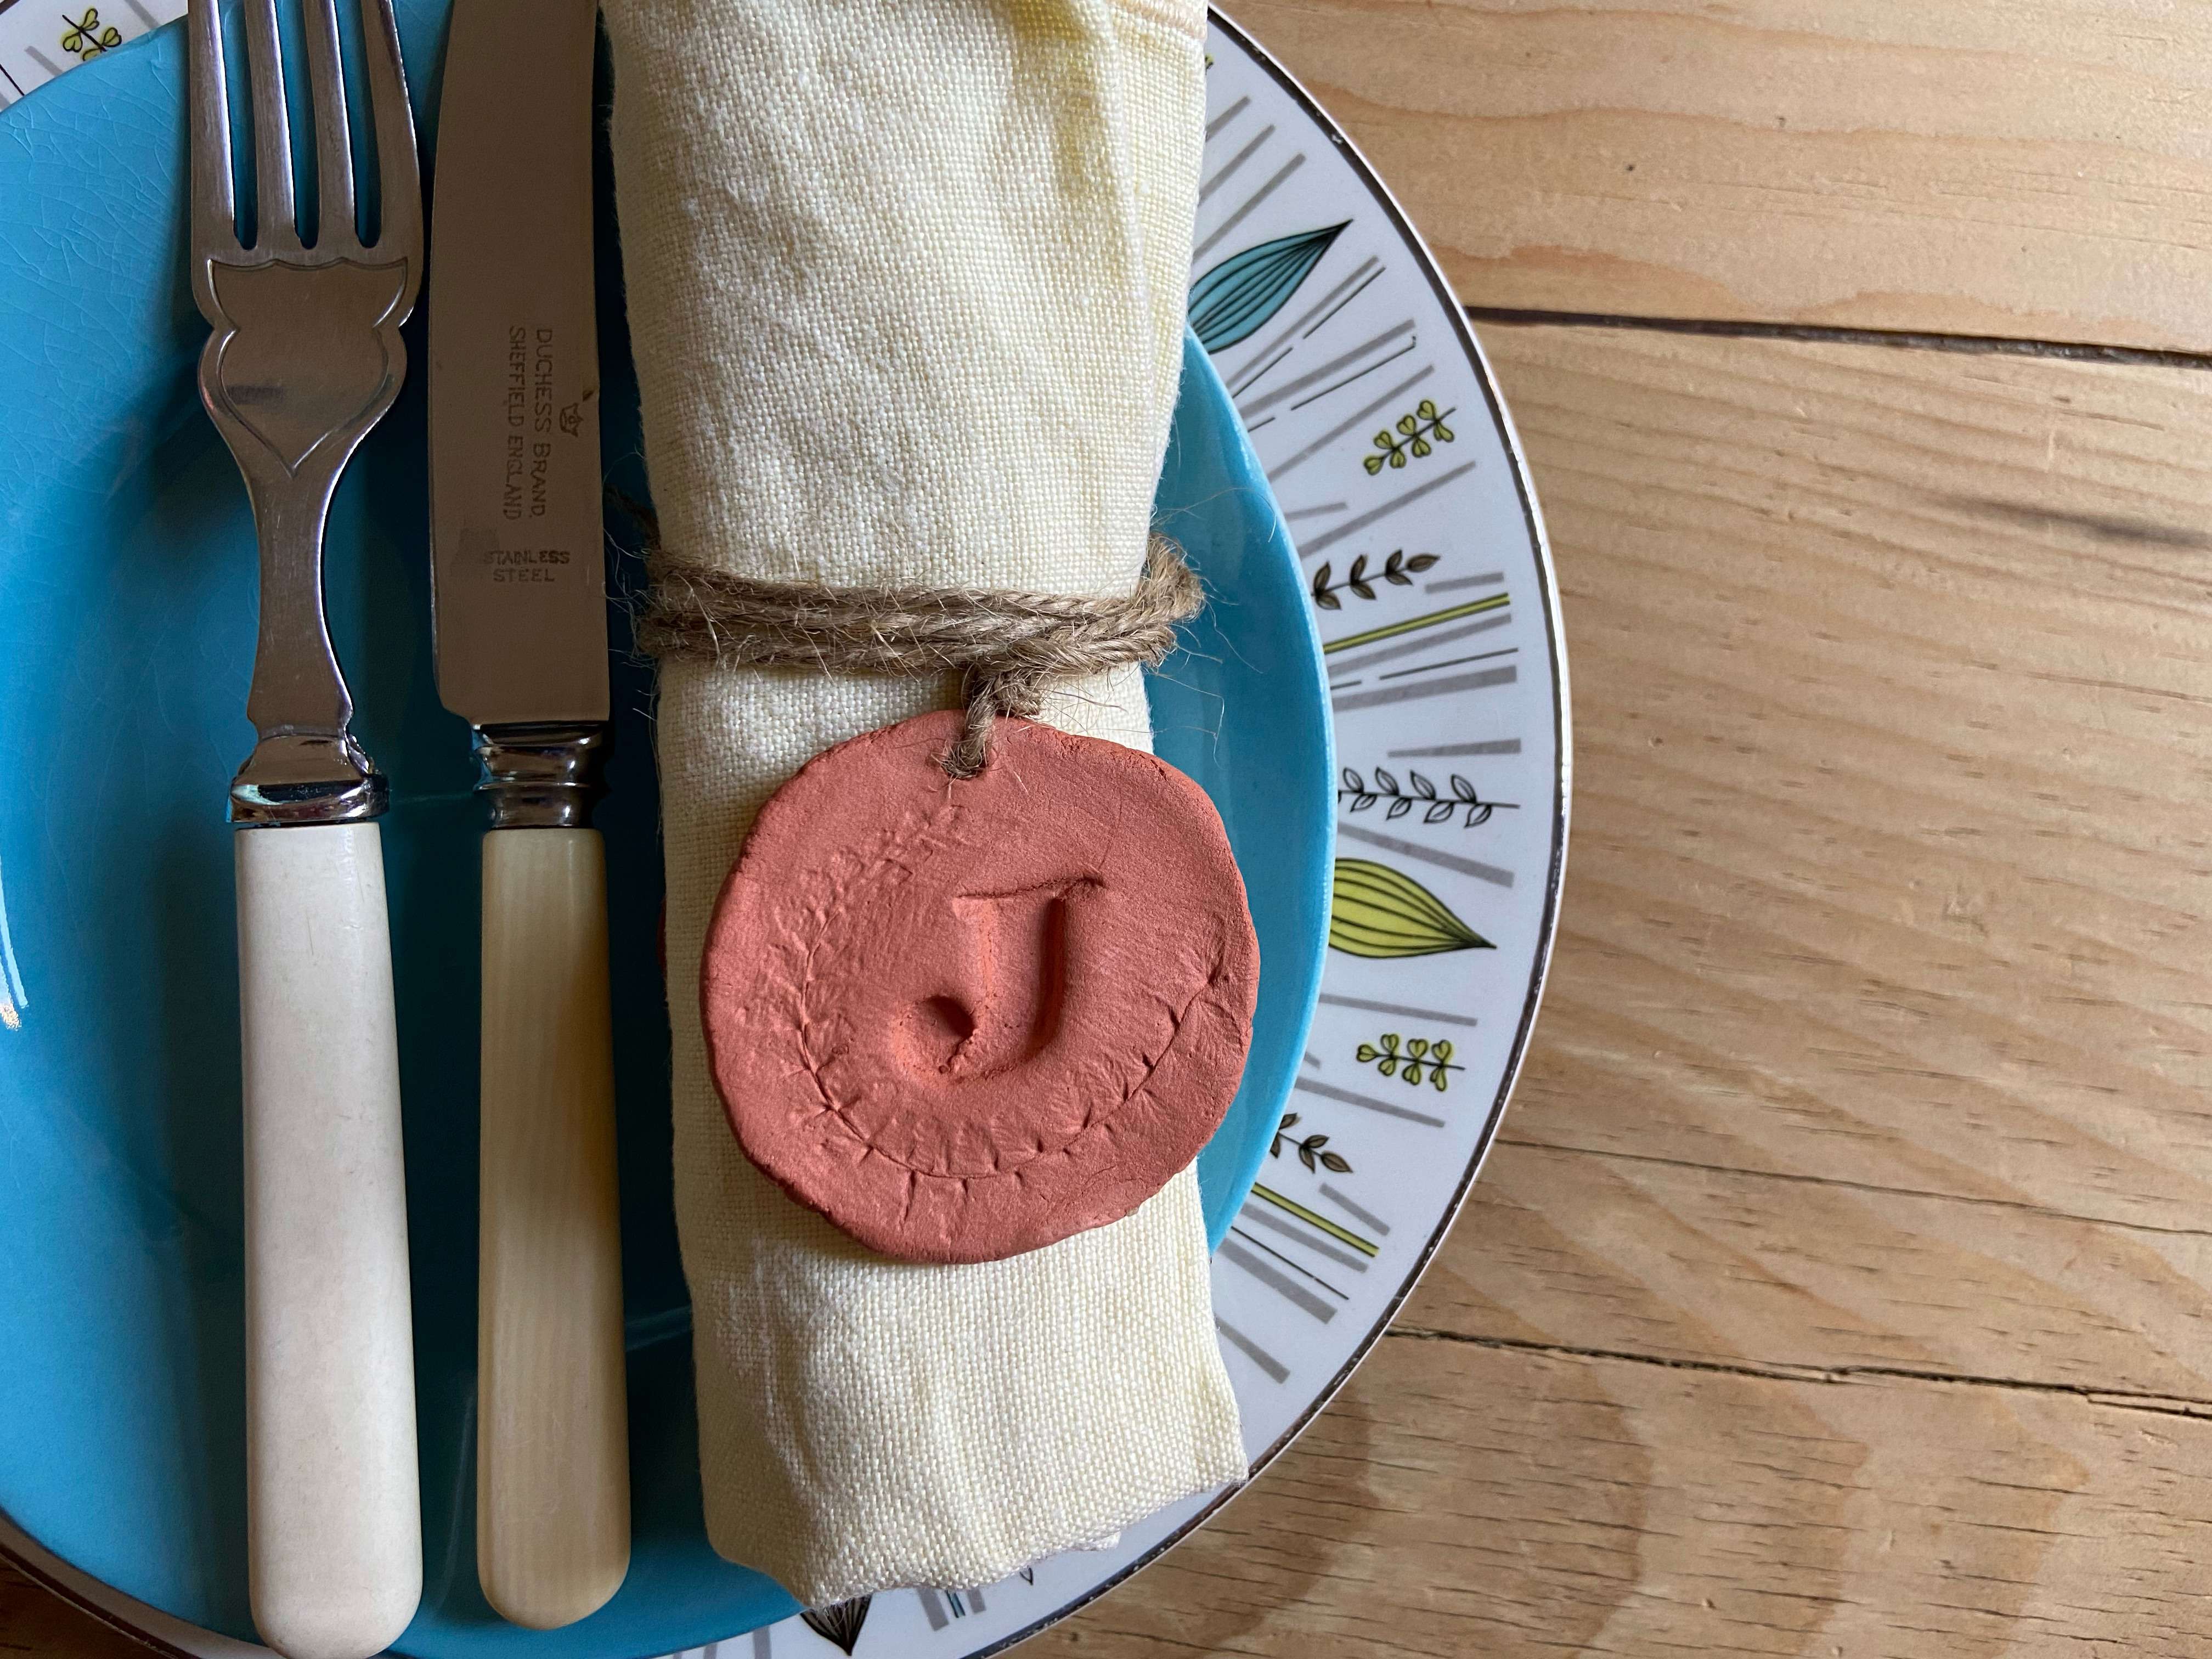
(305, 357)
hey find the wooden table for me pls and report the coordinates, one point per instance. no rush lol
(1837, 1286)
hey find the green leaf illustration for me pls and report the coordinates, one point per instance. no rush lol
(1425, 1061)
(1377, 911)
(85, 38)
(1236, 299)
(1413, 438)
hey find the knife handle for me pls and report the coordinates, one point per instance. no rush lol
(552, 1422)
(334, 1519)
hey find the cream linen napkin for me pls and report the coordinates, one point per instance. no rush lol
(906, 284)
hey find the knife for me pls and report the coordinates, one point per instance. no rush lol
(519, 593)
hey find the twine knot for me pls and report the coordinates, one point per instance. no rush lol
(1011, 648)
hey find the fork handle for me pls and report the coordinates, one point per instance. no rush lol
(552, 1430)
(334, 1519)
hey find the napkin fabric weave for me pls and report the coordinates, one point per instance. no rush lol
(906, 284)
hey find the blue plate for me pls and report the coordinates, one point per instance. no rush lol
(125, 648)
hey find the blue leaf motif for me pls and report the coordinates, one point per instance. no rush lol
(1239, 295)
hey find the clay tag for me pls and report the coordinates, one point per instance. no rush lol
(967, 1019)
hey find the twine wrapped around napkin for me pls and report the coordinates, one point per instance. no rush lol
(1009, 649)
(906, 284)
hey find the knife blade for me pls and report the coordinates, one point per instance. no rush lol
(518, 601)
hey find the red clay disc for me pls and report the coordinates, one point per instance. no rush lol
(967, 1019)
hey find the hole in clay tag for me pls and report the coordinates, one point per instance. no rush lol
(962, 1020)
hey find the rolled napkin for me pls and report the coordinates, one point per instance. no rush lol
(906, 284)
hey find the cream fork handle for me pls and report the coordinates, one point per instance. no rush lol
(334, 1520)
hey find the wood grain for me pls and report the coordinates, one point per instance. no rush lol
(1839, 1284)
(2036, 169)
(1888, 666)
(1876, 1036)
(1465, 1498)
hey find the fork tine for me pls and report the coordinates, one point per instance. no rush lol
(276, 223)
(335, 229)
(215, 205)
(399, 180)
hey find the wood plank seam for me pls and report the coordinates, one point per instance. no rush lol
(1841, 1183)
(1819, 334)
(1839, 1376)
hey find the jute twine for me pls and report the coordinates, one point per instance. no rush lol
(1010, 647)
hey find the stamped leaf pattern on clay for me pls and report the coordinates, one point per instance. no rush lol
(1398, 570)
(1376, 911)
(1237, 297)
(840, 1622)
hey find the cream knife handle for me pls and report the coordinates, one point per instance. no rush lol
(334, 1519)
(552, 1423)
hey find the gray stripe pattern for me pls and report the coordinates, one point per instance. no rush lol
(1489, 580)
(1246, 375)
(1415, 691)
(1421, 642)
(1229, 166)
(1346, 425)
(1367, 1217)
(1352, 526)
(1258, 197)
(1282, 1284)
(1255, 1217)
(1365, 347)
(1328, 1092)
(1414, 849)
(1441, 1017)
(1277, 1371)
(1491, 746)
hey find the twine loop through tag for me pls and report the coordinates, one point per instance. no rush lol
(1011, 648)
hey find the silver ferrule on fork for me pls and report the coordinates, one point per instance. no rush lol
(308, 767)
(542, 777)
(306, 777)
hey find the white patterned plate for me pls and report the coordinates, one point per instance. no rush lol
(1370, 405)
(41, 39)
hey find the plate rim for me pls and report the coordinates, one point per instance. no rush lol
(13, 1541)
(1554, 875)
